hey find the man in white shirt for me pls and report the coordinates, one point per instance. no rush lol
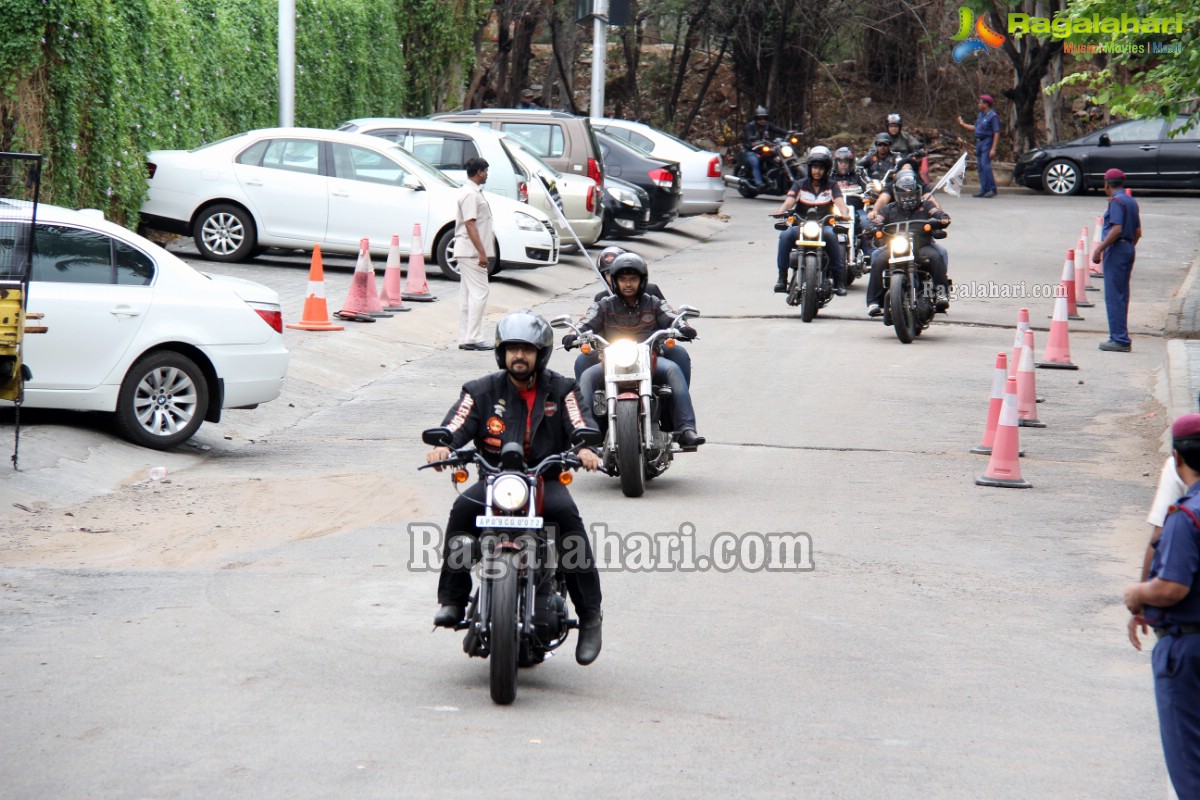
(473, 249)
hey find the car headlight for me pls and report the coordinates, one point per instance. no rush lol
(786, 151)
(622, 354)
(811, 230)
(899, 245)
(526, 222)
(623, 196)
(509, 492)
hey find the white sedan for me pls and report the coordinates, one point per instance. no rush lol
(134, 330)
(701, 182)
(296, 187)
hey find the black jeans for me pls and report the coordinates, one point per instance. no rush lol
(879, 260)
(575, 558)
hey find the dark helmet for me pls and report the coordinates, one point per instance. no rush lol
(761, 112)
(605, 259)
(908, 192)
(630, 262)
(844, 155)
(525, 327)
(894, 119)
(883, 138)
(820, 155)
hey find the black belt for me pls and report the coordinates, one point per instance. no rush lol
(1175, 630)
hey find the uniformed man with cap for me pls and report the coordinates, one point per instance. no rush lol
(1122, 230)
(527, 102)
(987, 135)
(1170, 603)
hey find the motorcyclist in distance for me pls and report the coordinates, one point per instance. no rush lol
(757, 130)
(907, 146)
(909, 204)
(878, 163)
(817, 191)
(850, 178)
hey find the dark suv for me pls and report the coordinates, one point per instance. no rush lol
(564, 141)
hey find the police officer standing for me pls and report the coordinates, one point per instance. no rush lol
(987, 136)
(1170, 602)
(1122, 230)
(528, 404)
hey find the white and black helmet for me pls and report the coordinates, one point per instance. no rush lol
(820, 155)
(525, 327)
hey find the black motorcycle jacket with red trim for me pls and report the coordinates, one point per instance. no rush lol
(491, 413)
(613, 318)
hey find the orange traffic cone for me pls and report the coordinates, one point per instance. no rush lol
(389, 296)
(415, 287)
(1004, 467)
(1027, 398)
(1018, 341)
(1081, 271)
(1067, 286)
(362, 303)
(999, 378)
(1058, 348)
(316, 313)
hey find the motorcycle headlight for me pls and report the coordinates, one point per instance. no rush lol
(510, 492)
(787, 151)
(899, 246)
(811, 230)
(623, 354)
(526, 222)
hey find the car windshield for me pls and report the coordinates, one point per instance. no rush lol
(529, 159)
(423, 169)
(207, 145)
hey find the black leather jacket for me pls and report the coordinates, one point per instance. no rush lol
(754, 134)
(613, 318)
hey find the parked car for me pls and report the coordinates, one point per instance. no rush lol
(580, 197)
(293, 187)
(659, 178)
(447, 147)
(701, 184)
(1140, 148)
(133, 330)
(626, 209)
(564, 141)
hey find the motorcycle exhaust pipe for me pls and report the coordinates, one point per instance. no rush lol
(734, 181)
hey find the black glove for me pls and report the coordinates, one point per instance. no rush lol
(687, 332)
(569, 341)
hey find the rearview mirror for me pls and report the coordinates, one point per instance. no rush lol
(563, 321)
(586, 436)
(436, 437)
(1104, 141)
(412, 182)
(691, 311)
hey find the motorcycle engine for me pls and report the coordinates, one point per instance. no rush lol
(549, 613)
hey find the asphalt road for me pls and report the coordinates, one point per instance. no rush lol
(259, 631)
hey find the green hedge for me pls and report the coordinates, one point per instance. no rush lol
(94, 84)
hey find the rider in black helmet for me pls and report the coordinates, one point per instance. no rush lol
(533, 406)
(910, 204)
(758, 129)
(877, 164)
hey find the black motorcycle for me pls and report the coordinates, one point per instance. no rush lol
(781, 164)
(518, 614)
(809, 279)
(910, 298)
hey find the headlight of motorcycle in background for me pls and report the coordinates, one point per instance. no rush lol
(786, 151)
(527, 222)
(623, 354)
(811, 230)
(509, 492)
(899, 246)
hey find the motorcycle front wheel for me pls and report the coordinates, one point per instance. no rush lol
(808, 292)
(630, 462)
(904, 318)
(502, 638)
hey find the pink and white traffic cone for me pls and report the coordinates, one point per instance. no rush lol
(415, 288)
(363, 298)
(1004, 467)
(1058, 348)
(1067, 286)
(1018, 341)
(1081, 260)
(999, 378)
(1027, 387)
(1094, 269)
(389, 296)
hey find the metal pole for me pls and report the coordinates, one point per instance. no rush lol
(599, 56)
(287, 63)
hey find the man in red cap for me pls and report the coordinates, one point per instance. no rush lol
(987, 136)
(1122, 230)
(1170, 603)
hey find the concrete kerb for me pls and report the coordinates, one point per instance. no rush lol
(1182, 330)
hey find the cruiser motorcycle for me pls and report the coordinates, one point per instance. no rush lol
(910, 299)
(781, 162)
(518, 613)
(639, 443)
(810, 280)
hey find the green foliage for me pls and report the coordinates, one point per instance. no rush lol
(95, 84)
(1157, 85)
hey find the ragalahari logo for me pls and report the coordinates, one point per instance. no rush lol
(974, 35)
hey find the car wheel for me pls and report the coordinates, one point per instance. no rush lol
(225, 233)
(1062, 177)
(163, 400)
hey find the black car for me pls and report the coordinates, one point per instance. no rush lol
(659, 178)
(1140, 148)
(626, 209)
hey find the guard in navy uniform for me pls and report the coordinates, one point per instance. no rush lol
(987, 136)
(1121, 232)
(1170, 603)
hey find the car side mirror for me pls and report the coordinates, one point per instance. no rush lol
(691, 311)
(436, 437)
(586, 437)
(1104, 141)
(563, 321)
(412, 182)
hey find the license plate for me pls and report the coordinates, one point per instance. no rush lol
(484, 521)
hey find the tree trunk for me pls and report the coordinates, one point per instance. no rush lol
(522, 52)
(708, 78)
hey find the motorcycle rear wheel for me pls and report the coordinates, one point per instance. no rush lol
(904, 319)
(503, 644)
(808, 291)
(630, 460)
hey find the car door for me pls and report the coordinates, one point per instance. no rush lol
(368, 198)
(95, 293)
(288, 194)
(1179, 157)
(1133, 148)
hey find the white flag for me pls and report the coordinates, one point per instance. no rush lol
(952, 181)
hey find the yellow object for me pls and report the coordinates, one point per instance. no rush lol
(12, 329)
